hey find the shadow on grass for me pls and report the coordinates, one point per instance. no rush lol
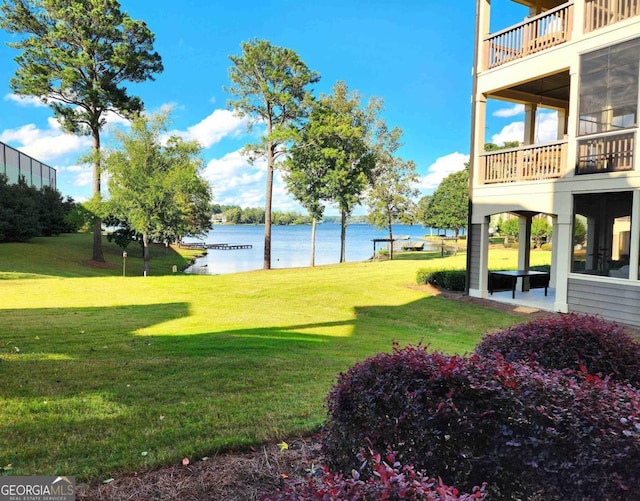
(100, 393)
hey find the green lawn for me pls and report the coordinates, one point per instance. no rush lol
(101, 375)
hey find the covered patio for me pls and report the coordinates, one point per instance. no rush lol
(531, 299)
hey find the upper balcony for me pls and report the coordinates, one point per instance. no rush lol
(532, 35)
(553, 26)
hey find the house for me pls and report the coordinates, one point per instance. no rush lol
(15, 164)
(580, 59)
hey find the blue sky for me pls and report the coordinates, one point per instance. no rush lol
(416, 55)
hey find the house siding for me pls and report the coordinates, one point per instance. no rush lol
(474, 269)
(619, 302)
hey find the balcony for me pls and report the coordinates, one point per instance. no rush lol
(611, 152)
(526, 163)
(601, 13)
(534, 34)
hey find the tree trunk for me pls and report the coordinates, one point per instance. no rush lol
(390, 242)
(343, 235)
(145, 253)
(313, 243)
(97, 224)
(267, 208)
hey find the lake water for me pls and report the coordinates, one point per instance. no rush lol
(291, 246)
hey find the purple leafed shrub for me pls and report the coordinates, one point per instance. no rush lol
(571, 341)
(525, 431)
(390, 481)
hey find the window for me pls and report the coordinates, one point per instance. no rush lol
(609, 88)
(602, 234)
(12, 166)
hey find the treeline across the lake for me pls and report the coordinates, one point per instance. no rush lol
(234, 214)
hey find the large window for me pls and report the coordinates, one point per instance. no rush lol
(609, 88)
(602, 233)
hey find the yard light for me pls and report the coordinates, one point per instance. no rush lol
(124, 263)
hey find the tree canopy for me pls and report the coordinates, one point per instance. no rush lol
(75, 56)
(155, 184)
(449, 207)
(393, 189)
(270, 87)
(333, 157)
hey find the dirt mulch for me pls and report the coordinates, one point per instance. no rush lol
(234, 476)
(248, 475)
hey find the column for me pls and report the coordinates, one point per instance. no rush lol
(524, 247)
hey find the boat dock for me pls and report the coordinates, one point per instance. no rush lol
(203, 245)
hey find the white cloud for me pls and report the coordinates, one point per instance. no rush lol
(515, 110)
(211, 130)
(441, 168)
(235, 180)
(546, 129)
(45, 144)
(25, 100)
(511, 132)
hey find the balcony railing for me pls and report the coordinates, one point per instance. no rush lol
(534, 34)
(606, 153)
(526, 163)
(601, 13)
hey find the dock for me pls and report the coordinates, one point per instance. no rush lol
(204, 245)
(229, 246)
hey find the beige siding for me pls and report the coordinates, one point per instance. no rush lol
(619, 302)
(474, 271)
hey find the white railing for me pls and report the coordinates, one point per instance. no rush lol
(526, 163)
(534, 34)
(601, 13)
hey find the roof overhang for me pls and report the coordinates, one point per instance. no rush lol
(540, 5)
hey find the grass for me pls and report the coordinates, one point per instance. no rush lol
(102, 375)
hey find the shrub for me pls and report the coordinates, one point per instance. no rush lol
(390, 481)
(525, 431)
(447, 279)
(569, 341)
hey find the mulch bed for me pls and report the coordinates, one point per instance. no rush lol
(243, 476)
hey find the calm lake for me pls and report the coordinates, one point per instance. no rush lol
(291, 246)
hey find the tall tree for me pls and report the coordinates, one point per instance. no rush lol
(423, 215)
(155, 184)
(269, 84)
(391, 196)
(75, 56)
(306, 169)
(350, 152)
(449, 205)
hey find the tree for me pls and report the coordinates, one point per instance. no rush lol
(75, 57)
(333, 157)
(52, 211)
(540, 230)
(449, 206)
(155, 184)
(19, 211)
(510, 228)
(391, 195)
(306, 169)
(269, 84)
(422, 212)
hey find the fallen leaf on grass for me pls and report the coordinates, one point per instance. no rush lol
(283, 446)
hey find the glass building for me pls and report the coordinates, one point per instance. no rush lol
(15, 164)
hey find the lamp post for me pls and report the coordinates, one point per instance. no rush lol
(124, 263)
